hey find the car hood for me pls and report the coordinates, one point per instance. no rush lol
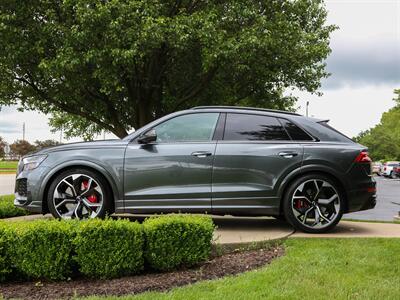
(82, 145)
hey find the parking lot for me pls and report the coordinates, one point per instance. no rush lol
(388, 192)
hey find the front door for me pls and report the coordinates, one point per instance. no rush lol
(174, 173)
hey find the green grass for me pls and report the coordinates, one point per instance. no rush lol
(311, 269)
(8, 166)
(7, 208)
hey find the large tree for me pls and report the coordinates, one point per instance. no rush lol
(117, 64)
(383, 140)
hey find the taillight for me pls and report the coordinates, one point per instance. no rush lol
(363, 157)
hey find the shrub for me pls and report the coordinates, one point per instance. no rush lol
(42, 249)
(174, 240)
(5, 263)
(7, 208)
(108, 248)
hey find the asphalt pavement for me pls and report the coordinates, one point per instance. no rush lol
(388, 191)
(7, 183)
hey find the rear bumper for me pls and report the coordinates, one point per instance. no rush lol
(362, 198)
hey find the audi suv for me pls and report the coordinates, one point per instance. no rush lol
(217, 160)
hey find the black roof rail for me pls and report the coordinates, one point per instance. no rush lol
(247, 108)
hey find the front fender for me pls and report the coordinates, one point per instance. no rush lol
(115, 183)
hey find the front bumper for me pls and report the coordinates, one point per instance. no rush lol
(28, 189)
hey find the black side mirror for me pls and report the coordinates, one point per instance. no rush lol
(149, 137)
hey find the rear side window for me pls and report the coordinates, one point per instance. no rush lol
(295, 132)
(246, 127)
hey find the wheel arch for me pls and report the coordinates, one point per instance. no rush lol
(75, 165)
(304, 171)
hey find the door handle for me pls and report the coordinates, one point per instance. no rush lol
(201, 154)
(288, 154)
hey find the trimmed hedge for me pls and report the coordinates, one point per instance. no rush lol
(5, 260)
(108, 248)
(42, 249)
(174, 240)
(54, 250)
(7, 208)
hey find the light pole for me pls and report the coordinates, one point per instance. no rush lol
(307, 104)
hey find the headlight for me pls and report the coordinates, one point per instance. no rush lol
(32, 162)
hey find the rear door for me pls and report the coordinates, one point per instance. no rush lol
(254, 155)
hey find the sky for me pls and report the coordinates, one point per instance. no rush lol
(364, 63)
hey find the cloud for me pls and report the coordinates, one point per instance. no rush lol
(364, 65)
(366, 47)
(7, 127)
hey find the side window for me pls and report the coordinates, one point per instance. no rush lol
(296, 133)
(187, 128)
(241, 127)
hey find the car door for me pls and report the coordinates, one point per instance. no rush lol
(174, 173)
(254, 155)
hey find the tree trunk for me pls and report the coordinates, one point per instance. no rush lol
(120, 132)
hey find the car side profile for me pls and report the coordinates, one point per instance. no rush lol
(217, 160)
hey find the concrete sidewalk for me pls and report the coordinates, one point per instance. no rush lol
(349, 229)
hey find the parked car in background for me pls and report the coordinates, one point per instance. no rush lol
(217, 160)
(388, 169)
(377, 168)
(396, 171)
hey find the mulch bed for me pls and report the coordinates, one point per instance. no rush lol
(227, 264)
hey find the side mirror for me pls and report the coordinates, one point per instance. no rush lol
(149, 137)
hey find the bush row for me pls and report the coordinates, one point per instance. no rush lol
(55, 250)
(7, 208)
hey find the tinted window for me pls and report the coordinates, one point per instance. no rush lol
(253, 127)
(296, 133)
(192, 127)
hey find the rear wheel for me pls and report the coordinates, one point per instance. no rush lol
(313, 204)
(79, 194)
(393, 175)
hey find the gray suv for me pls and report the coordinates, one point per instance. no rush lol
(217, 160)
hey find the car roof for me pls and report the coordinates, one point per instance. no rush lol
(242, 108)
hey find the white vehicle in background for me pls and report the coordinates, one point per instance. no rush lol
(388, 169)
(377, 168)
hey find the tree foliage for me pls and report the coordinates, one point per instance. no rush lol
(2, 145)
(21, 147)
(45, 144)
(383, 140)
(118, 64)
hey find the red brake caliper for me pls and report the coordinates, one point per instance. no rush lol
(91, 198)
(299, 204)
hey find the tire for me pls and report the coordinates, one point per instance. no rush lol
(79, 194)
(313, 203)
(393, 175)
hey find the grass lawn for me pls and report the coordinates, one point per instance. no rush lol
(8, 166)
(7, 208)
(311, 269)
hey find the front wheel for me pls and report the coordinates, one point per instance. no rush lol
(313, 204)
(78, 194)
